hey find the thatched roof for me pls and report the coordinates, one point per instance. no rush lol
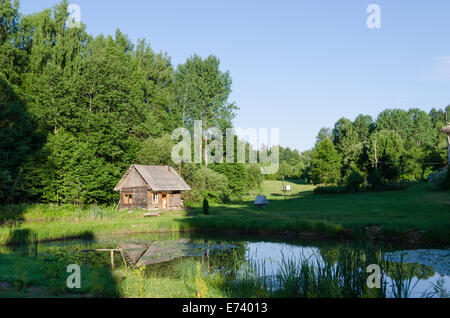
(157, 178)
(446, 130)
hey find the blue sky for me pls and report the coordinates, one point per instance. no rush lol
(297, 65)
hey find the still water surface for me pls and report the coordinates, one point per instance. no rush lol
(269, 253)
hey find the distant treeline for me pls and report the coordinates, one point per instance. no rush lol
(399, 145)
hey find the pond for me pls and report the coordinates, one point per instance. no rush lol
(277, 261)
(431, 266)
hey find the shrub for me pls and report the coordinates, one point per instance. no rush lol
(447, 180)
(388, 186)
(156, 151)
(375, 181)
(394, 186)
(331, 190)
(207, 183)
(354, 181)
(437, 181)
(236, 174)
(254, 177)
(205, 206)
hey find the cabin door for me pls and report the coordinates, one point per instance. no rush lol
(164, 201)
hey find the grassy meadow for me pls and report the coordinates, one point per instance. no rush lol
(298, 212)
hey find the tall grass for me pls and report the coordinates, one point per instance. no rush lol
(402, 285)
(300, 277)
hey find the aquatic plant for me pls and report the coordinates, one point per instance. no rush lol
(200, 283)
(140, 271)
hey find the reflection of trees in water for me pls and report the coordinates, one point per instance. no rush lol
(45, 266)
(411, 270)
(224, 257)
(217, 256)
(229, 262)
(73, 254)
(358, 255)
(372, 255)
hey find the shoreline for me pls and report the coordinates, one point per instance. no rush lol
(263, 234)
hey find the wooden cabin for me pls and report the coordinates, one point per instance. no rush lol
(151, 188)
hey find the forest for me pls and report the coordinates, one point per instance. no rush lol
(77, 110)
(399, 145)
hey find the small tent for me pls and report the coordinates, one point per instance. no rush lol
(261, 200)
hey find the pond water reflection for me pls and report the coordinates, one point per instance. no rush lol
(431, 267)
(229, 255)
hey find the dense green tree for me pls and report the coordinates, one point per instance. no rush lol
(285, 170)
(348, 144)
(236, 175)
(254, 177)
(422, 129)
(156, 152)
(157, 91)
(326, 163)
(324, 133)
(395, 119)
(202, 94)
(203, 91)
(207, 183)
(73, 173)
(18, 141)
(289, 156)
(303, 167)
(410, 144)
(363, 126)
(389, 148)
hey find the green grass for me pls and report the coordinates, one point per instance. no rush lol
(297, 212)
(394, 211)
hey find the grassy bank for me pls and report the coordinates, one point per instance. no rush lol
(394, 213)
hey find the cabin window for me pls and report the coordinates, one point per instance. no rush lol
(128, 198)
(155, 198)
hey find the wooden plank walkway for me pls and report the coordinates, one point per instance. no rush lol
(133, 252)
(110, 250)
(149, 214)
